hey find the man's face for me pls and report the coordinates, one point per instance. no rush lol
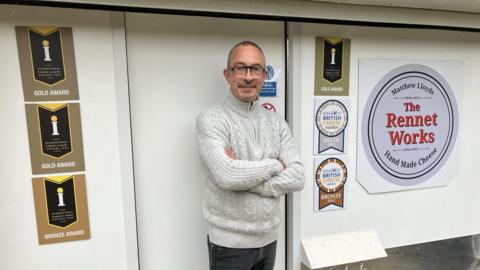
(245, 86)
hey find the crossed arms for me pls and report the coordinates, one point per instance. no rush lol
(267, 177)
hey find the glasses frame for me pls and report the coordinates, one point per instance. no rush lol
(248, 69)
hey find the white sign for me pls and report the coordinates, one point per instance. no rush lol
(336, 249)
(273, 105)
(408, 124)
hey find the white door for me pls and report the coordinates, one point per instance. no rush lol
(175, 71)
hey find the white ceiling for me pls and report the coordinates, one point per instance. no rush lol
(466, 13)
(469, 6)
(472, 6)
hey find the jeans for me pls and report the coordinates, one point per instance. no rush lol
(224, 258)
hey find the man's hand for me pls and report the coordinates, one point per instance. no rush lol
(230, 153)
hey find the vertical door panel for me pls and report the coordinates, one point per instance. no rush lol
(175, 72)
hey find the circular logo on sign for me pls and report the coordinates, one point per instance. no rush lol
(332, 118)
(270, 72)
(331, 175)
(410, 124)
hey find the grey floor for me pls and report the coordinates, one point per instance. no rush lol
(453, 254)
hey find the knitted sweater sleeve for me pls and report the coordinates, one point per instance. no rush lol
(292, 177)
(228, 173)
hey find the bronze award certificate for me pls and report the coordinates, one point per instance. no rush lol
(61, 208)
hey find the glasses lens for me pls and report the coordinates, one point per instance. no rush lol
(242, 70)
(239, 70)
(257, 71)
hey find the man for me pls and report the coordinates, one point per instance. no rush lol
(251, 161)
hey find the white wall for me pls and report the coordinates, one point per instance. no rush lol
(92, 36)
(400, 218)
(438, 213)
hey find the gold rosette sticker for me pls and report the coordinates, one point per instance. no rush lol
(331, 176)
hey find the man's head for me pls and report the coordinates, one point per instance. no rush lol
(245, 72)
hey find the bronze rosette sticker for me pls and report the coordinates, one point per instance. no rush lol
(331, 176)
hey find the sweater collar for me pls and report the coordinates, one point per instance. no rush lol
(243, 108)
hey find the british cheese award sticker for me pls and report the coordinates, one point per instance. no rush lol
(331, 119)
(409, 126)
(330, 180)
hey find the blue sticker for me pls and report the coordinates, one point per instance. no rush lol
(269, 89)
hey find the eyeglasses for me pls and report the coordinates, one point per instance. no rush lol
(255, 71)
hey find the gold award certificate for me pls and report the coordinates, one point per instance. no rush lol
(55, 137)
(332, 66)
(47, 63)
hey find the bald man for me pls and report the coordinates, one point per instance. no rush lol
(251, 162)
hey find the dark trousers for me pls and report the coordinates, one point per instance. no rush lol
(224, 258)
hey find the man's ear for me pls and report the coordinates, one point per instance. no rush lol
(226, 74)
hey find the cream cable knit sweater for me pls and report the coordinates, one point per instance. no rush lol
(242, 196)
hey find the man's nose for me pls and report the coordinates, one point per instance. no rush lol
(248, 74)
